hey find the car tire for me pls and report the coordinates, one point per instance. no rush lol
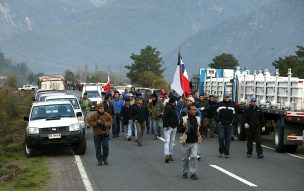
(80, 148)
(241, 131)
(278, 137)
(29, 150)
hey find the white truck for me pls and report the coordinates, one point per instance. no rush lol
(28, 88)
(280, 98)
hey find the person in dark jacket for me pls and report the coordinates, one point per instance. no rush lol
(126, 119)
(109, 108)
(170, 122)
(101, 122)
(190, 124)
(139, 115)
(253, 122)
(226, 112)
(210, 115)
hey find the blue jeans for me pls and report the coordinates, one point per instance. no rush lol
(224, 134)
(101, 140)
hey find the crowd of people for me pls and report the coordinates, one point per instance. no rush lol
(132, 113)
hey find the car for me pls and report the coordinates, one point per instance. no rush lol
(40, 91)
(74, 101)
(53, 122)
(93, 94)
(43, 96)
(28, 88)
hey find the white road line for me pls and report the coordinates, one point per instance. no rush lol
(267, 147)
(162, 139)
(295, 156)
(83, 174)
(234, 176)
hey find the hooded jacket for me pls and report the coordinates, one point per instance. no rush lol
(100, 129)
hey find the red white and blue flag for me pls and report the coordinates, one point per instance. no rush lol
(108, 85)
(180, 80)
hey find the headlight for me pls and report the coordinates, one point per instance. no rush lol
(33, 130)
(74, 127)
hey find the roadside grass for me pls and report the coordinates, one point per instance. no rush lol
(17, 172)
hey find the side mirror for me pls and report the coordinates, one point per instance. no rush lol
(78, 114)
(26, 118)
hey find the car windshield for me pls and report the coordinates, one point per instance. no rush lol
(73, 101)
(52, 111)
(93, 94)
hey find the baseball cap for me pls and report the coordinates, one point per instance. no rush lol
(190, 99)
(253, 99)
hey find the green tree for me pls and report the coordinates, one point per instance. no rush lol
(224, 61)
(11, 81)
(149, 59)
(295, 62)
(33, 78)
(69, 76)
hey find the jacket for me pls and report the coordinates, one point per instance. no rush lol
(226, 112)
(100, 129)
(109, 108)
(194, 122)
(210, 110)
(85, 105)
(254, 117)
(126, 114)
(170, 117)
(156, 109)
(139, 113)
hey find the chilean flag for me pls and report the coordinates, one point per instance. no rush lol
(108, 85)
(180, 80)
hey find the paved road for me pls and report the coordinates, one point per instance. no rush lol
(143, 168)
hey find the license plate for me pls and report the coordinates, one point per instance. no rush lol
(55, 136)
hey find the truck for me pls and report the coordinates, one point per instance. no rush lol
(281, 100)
(28, 88)
(53, 82)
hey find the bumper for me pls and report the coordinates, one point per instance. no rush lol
(67, 138)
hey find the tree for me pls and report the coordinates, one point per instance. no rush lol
(295, 62)
(69, 76)
(149, 59)
(33, 78)
(11, 81)
(224, 61)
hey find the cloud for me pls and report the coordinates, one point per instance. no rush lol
(28, 23)
(99, 3)
(5, 11)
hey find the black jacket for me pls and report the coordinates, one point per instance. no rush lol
(254, 117)
(170, 118)
(210, 110)
(139, 113)
(126, 114)
(191, 130)
(226, 112)
(109, 108)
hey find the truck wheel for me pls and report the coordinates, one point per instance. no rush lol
(278, 137)
(291, 148)
(80, 148)
(29, 151)
(241, 131)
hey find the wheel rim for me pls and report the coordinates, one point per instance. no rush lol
(276, 138)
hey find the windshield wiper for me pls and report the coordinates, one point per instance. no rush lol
(35, 118)
(53, 118)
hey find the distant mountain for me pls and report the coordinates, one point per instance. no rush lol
(256, 40)
(52, 36)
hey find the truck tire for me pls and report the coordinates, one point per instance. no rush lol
(278, 137)
(80, 148)
(29, 150)
(241, 132)
(291, 148)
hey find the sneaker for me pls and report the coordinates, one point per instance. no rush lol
(198, 157)
(226, 156)
(129, 139)
(155, 138)
(135, 140)
(106, 162)
(185, 175)
(221, 155)
(99, 163)
(194, 177)
(170, 158)
(167, 159)
(249, 155)
(139, 144)
(260, 156)
(114, 136)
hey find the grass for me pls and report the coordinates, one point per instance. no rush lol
(17, 172)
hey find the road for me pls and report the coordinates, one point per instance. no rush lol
(143, 168)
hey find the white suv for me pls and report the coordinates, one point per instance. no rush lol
(54, 122)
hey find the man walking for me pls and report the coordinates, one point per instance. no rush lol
(254, 121)
(109, 108)
(170, 122)
(156, 110)
(210, 114)
(118, 104)
(86, 105)
(190, 125)
(139, 115)
(101, 122)
(226, 112)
